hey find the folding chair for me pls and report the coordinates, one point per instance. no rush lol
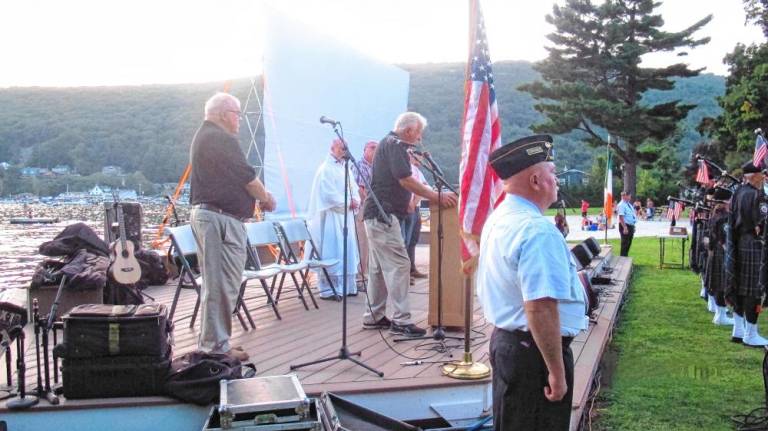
(183, 244)
(263, 234)
(295, 231)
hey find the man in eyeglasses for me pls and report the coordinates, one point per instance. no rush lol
(224, 190)
(388, 264)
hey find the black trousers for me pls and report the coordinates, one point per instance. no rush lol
(626, 239)
(519, 378)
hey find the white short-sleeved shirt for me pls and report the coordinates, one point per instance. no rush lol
(523, 257)
(628, 211)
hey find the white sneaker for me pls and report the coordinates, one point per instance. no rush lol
(752, 338)
(737, 335)
(721, 317)
(703, 291)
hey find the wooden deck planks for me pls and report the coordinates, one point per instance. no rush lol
(306, 335)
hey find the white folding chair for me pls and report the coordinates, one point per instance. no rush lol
(183, 246)
(264, 234)
(295, 231)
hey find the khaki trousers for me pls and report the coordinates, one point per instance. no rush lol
(388, 272)
(221, 242)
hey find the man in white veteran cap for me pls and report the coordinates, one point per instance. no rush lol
(527, 284)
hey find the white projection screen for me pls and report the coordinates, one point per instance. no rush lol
(306, 76)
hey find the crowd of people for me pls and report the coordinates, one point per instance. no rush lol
(728, 253)
(526, 279)
(383, 233)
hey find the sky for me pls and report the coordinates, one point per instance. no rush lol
(132, 42)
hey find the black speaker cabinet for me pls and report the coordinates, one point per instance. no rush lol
(593, 245)
(132, 216)
(582, 254)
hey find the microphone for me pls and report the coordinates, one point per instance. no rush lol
(326, 120)
(428, 158)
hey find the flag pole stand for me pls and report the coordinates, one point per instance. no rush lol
(467, 369)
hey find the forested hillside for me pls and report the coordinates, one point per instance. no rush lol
(148, 128)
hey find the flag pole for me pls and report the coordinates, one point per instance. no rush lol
(467, 368)
(608, 220)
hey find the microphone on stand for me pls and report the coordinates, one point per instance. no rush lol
(326, 120)
(428, 158)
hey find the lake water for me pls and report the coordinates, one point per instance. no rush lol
(19, 243)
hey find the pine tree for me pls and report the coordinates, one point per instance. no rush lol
(745, 102)
(593, 82)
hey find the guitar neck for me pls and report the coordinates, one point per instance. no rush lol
(121, 224)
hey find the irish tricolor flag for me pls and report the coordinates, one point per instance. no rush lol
(608, 192)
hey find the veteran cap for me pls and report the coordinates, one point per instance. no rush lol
(750, 168)
(520, 154)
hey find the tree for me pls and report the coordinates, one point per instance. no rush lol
(745, 105)
(593, 82)
(757, 12)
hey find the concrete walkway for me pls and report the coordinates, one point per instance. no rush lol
(643, 228)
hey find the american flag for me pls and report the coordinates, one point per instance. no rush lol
(702, 175)
(480, 188)
(761, 149)
(673, 213)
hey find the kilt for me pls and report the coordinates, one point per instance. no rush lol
(748, 260)
(715, 275)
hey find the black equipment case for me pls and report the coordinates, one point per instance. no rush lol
(115, 350)
(115, 376)
(132, 216)
(98, 330)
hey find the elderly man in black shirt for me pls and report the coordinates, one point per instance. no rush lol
(388, 263)
(224, 190)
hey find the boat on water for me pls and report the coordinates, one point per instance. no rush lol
(33, 220)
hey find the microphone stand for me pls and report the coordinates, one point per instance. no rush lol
(344, 352)
(22, 400)
(6, 390)
(438, 334)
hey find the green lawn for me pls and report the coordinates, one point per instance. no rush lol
(592, 211)
(675, 369)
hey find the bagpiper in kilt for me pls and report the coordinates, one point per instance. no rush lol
(744, 286)
(715, 273)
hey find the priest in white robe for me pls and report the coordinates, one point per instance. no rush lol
(325, 216)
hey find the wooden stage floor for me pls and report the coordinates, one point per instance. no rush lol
(302, 336)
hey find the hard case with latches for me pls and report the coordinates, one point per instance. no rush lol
(272, 403)
(100, 330)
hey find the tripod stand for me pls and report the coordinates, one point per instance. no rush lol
(22, 401)
(438, 334)
(45, 325)
(344, 352)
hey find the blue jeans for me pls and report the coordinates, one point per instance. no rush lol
(410, 227)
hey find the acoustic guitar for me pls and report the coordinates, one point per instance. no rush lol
(123, 267)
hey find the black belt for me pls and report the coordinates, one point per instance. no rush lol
(527, 336)
(214, 208)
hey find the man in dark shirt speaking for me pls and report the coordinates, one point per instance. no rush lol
(224, 190)
(389, 267)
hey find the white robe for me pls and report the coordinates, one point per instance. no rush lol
(325, 216)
